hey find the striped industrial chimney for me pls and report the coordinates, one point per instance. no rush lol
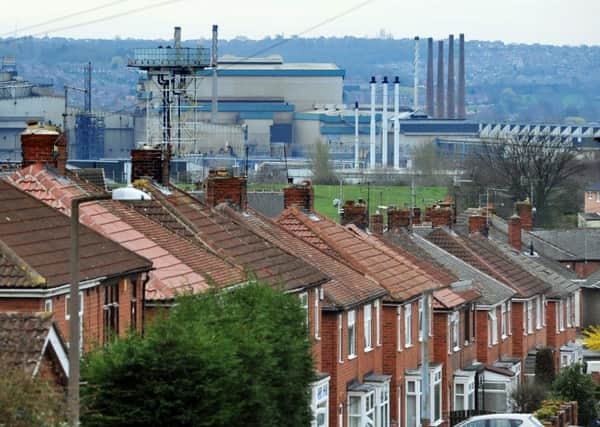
(429, 107)
(460, 102)
(450, 102)
(440, 111)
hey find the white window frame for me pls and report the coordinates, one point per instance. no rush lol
(421, 305)
(503, 322)
(435, 379)
(352, 334)
(492, 327)
(569, 311)
(382, 403)
(67, 299)
(303, 296)
(509, 316)
(529, 316)
(538, 312)
(368, 326)
(454, 337)
(399, 335)
(544, 304)
(408, 326)
(561, 315)
(340, 338)
(378, 323)
(48, 305)
(320, 401)
(417, 394)
(316, 315)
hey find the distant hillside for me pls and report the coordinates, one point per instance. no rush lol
(504, 82)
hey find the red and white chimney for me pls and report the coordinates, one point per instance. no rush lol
(45, 144)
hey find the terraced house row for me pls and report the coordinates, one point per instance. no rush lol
(491, 301)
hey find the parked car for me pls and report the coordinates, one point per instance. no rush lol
(502, 420)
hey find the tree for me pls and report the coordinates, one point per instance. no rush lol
(320, 165)
(238, 357)
(574, 384)
(592, 338)
(28, 401)
(544, 367)
(524, 165)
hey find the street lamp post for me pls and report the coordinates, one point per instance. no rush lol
(74, 321)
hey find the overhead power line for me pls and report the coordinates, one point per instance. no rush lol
(62, 18)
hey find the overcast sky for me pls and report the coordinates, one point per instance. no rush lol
(571, 22)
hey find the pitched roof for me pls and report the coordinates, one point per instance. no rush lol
(389, 267)
(180, 265)
(25, 337)
(347, 287)
(40, 236)
(593, 186)
(568, 245)
(230, 239)
(491, 291)
(94, 176)
(484, 256)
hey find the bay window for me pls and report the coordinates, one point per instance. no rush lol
(382, 398)
(361, 407)
(320, 403)
(413, 397)
(464, 391)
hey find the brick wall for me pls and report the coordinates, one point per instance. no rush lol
(478, 224)
(557, 339)
(350, 369)
(301, 196)
(398, 218)
(441, 217)
(514, 232)
(524, 210)
(40, 149)
(591, 201)
(376, 226)
(493, 352)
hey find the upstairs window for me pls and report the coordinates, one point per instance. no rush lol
(340, 338)
(569, 311)
(368, 326)
(378, 323)
(530, 317)
(453, 332)
(399, 328)
(316, 314)
(503, 323)
(111, 311)
(421, 319)
(304, 304)
(492, 327)
(407, 325)
(351, 334)
(538, 312)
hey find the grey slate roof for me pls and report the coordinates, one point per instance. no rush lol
(492, 291)
(568, 245)
(594, 186)
(561, 286)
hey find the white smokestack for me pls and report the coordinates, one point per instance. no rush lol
(372, 129)
(396, 123)
(416, 81)
(356, 135)
(384, 125)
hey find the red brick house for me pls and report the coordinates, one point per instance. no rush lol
(31, 341)
(35, 244)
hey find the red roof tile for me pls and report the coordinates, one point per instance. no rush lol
(395, 272)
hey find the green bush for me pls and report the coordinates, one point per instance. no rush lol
(226, 358)
(574, 384)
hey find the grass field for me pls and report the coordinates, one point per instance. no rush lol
(378, 195)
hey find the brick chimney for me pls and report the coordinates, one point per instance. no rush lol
(151, 163)
(398, 218)
(478, 224)
(377, 224)
(44, 144)
(416, 216)
(441, 217)
(355, 213)
(221, 187)
(299, 195)
(514, 232)
(525, 212)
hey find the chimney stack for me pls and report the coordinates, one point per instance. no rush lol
(301, 196)
(355, 213)
(514, 232)
(460, 103)
(440, 110)
(450, 102)
(222, 187)
(524, 210)
(152, 163)
(429, 107)
(478, 224)
(44, 144)
(377, 224)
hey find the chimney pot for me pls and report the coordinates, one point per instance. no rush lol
(299, 195)
(44, 144)
(221, 187)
